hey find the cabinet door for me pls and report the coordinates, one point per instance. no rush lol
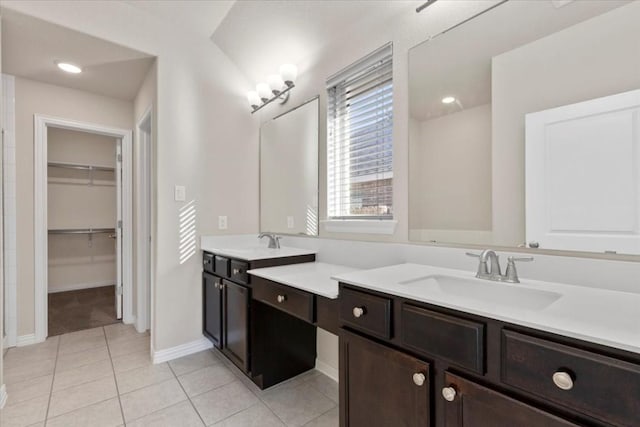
(472, 405)
(380, 386)
(236, 323)
(212, 312)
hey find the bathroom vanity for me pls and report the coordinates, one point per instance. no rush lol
(420, 356)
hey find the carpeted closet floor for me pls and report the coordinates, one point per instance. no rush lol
(83, 309)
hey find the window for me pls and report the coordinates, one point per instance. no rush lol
(359, 139)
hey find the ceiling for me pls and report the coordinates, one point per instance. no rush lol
(458, 63)
(31, 46)
(259, 36)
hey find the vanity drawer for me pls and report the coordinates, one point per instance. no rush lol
(365, 312)
(600, 386)
(221, 266)
(239, 271)
(456, 340)
(207, 262)
(285, 298)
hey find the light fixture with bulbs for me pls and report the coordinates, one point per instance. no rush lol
(277, 87)
(448, 100)
(68, 67)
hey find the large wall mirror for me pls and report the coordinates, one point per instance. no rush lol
(524, 129)
(289, 172)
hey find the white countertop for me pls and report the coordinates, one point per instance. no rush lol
(314, 277)
(606, 317)
(253, 253)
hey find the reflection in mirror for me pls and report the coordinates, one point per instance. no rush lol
(486, 92)
(289, 172)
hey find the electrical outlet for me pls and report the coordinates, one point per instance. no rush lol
(222, 222)
(290, 222)
(180, 193)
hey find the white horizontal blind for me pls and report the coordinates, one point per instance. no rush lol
(359, 139)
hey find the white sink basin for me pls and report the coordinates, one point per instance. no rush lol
(505, 294)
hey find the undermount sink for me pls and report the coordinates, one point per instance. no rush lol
(505, 294)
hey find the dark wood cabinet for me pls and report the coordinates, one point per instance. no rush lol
(236, 323)
(381, 386)
(212, 313)
(472, 405)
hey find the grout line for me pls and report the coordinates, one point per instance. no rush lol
(53, 379)
(114, 376)
(187, 394)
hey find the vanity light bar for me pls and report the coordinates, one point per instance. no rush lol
(425, 5)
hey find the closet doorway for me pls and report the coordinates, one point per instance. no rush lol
(83, 225)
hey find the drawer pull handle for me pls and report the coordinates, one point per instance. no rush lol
(563, 380)
(236, 271)
(358, 311)
(419, 379)
(449, 394)
(281, 298)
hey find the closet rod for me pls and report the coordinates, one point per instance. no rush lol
(80, 167)
(83, 231)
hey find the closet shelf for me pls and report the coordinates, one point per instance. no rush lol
(78, 166)
(82, 231)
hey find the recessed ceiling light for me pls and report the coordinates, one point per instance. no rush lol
(448, 100)
(69, 68)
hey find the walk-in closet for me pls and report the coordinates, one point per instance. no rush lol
(82, 194)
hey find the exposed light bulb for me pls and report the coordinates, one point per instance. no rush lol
(69, 68)
(289, 72)
(254, 99)
(276, 83)
(448, 100)
(264, 91)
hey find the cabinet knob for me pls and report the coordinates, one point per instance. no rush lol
(358, 311)
(449, 394)
(236, 271)
(216, 285)
(563, 380)
(221, 286)
(281, 298)
(419, 379)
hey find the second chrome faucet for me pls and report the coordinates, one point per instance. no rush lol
(493, 271)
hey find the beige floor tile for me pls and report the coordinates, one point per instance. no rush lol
(181, 414)
(102, 414)
(326, 386)
(25, 371)
(193, 362)
(256, 416)
(147, 400)
(120, 330)
(131, 361)
(24, 413)
(218, 404)
(128, 345)
(83, 374)
(297, 406)
(82, 395)
(205, 379)
(142, 377)
(27, 390)
(328, 419)
(81, 358)
(31, 353)
(82, 344)
(81, 335)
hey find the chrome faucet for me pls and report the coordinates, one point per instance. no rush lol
(495, 273)
(274, 240)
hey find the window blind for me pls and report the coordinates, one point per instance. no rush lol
(360, 140)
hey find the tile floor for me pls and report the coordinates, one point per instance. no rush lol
(104, 377)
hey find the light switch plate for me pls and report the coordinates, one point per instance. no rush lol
(290, 223)
(222, 222)
(180, 193)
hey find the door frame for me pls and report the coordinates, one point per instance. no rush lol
(145, 220)
(41, 124)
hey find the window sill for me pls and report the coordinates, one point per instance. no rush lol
(364, 226)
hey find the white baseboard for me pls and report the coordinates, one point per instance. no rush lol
(78, 286)
(186, 349)
(3, 396)
(328, 370)
(29, 339)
